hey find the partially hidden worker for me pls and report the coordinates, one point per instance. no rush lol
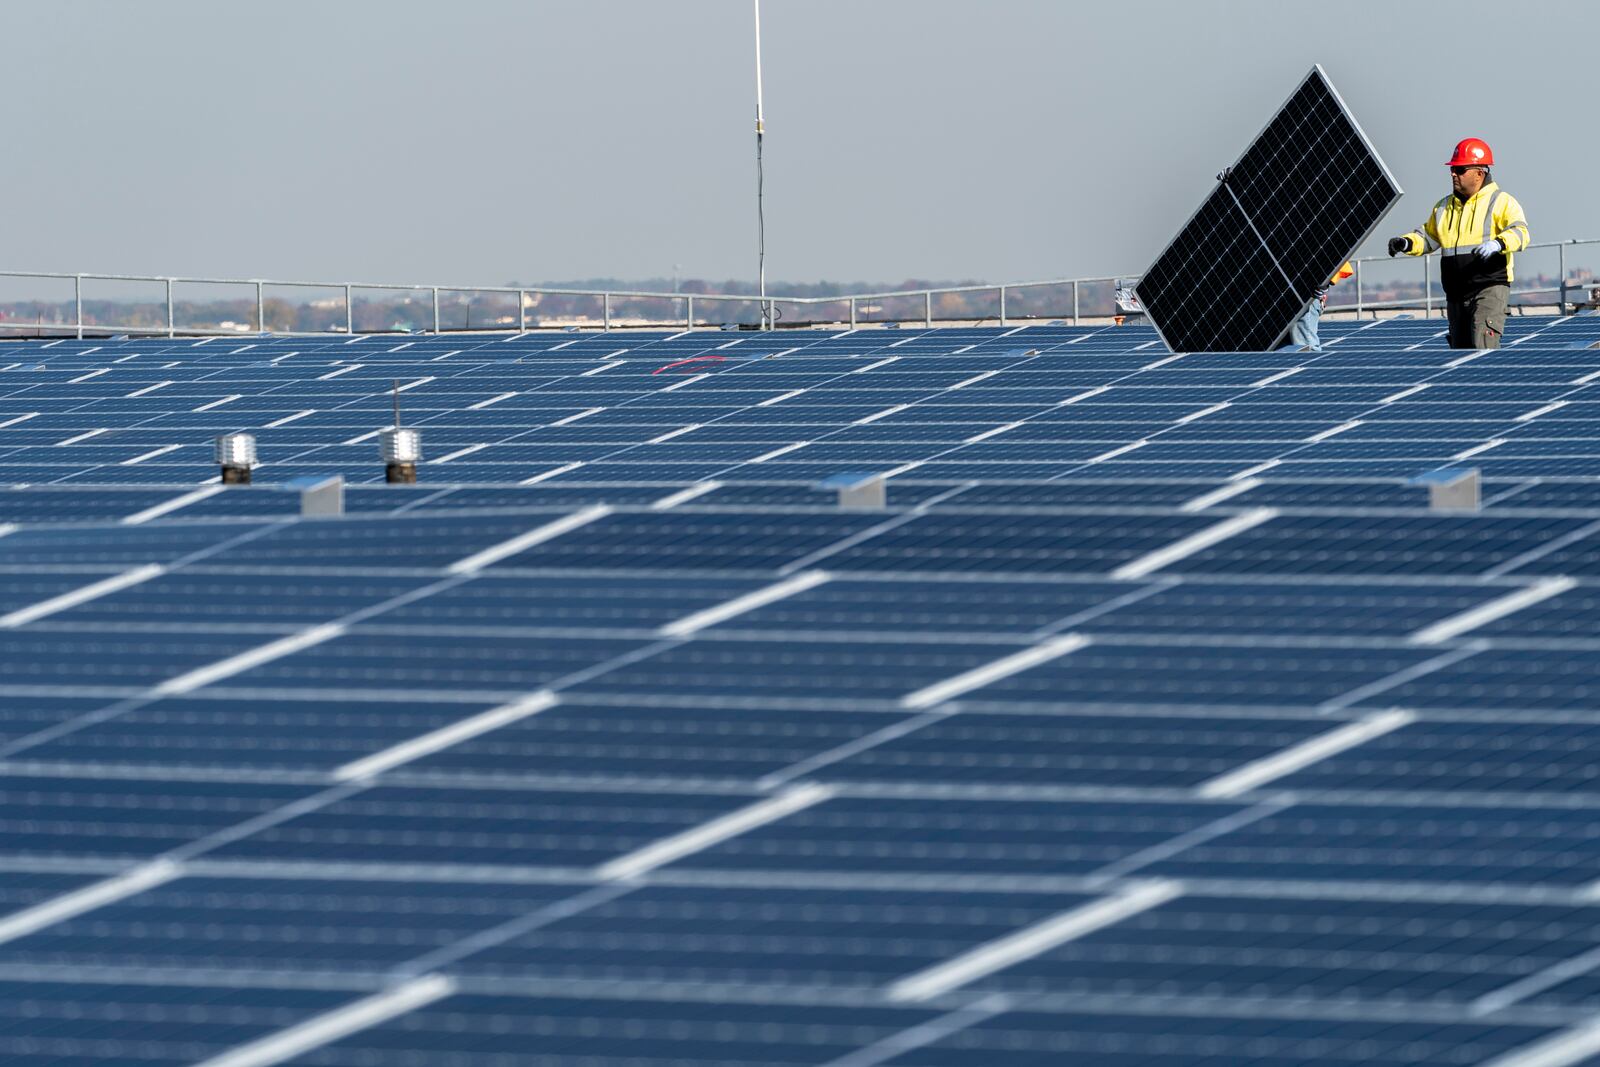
(1476, 230)
(1303, 334)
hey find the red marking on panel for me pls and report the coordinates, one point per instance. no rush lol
(691, 359)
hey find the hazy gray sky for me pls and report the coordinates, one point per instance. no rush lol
(479, 141)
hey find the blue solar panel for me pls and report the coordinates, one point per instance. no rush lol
(1338, 950)
(1411, 843)
(1163, 726)
(504, 827)
(109, 1023)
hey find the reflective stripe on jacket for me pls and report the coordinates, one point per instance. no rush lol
(1455, 229)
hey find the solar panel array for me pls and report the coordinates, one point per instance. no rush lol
(1154, 721)
(1298, 203)
(670, 411)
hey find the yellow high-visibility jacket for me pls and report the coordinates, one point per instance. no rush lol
(1455, 230)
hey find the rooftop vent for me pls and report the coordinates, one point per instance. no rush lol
(401, 449)
(236, 454)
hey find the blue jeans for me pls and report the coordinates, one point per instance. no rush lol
(1303, 334)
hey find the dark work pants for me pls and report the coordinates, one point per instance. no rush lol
(1478, 319)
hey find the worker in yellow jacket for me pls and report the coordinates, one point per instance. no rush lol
(1476, 230)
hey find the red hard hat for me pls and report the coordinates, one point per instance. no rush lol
(1472, 153)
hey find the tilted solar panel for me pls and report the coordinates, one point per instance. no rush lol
(1299, 201)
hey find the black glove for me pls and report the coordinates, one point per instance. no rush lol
(1398, 245)
(1225, 174)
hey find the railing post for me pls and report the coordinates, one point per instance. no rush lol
(171, 332)
(261, 310)
(349, 312)
(605, 312)
(77, 299)
(436, 309)
(1358, 290)
(1074, 303)
(927, 309)
(1427, 288)
(522, 311)
(852, 312)
(1561, 296)
(1002, 305)
(688, 315)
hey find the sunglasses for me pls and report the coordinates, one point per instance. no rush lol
(1462, 170)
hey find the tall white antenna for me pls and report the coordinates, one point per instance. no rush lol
(761, 211)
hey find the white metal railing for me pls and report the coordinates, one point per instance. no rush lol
(1563, 291)
(1065, 303)
(854, 305)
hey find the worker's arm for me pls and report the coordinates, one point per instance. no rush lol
(1424, 238)
(1420, 241)
(1511, 225)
